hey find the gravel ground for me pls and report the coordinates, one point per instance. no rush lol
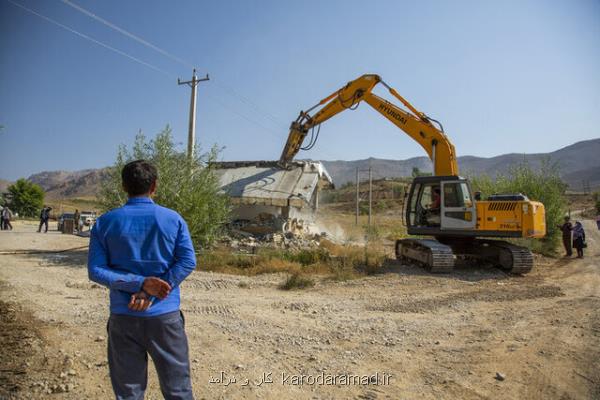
(473, 334)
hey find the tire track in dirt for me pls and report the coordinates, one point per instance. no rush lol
(451, 300)
(219, 310)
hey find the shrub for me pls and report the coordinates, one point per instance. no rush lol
(296, 281)
(308, 256)
(542, 185)
(188, 186)
(596, 197)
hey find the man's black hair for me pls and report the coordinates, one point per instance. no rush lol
(138, 176)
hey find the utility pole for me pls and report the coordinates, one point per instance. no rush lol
(192, 125)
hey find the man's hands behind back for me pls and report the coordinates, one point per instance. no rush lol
(156, 287)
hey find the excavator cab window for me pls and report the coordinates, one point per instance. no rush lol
(425, 204)
(456, 194)
(412, 214)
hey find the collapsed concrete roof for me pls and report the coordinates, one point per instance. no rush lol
(266, 183)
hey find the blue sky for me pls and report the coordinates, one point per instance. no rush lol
(512, 76)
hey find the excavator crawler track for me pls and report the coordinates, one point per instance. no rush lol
(433, 255)
(512, 258)
(437, 257)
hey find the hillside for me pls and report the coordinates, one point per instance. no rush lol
(3, 185)
(64, 184)
(578, 162)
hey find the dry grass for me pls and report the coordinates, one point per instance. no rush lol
(69, 205)
(297, 281)
(332, 261)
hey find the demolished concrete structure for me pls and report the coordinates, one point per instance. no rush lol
(267, 198)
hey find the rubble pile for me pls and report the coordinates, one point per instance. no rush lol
(268, 230)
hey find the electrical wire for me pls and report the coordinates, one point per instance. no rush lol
(127, 33)
(247, 101)
(91, 39)
(181, 61)
(268, 130)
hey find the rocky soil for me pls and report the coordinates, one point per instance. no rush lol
(473, 334)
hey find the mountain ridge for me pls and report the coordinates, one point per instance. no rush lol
(578, 163)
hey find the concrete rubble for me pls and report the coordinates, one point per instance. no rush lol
(273, 205)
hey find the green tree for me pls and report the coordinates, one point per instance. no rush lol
(25, 198)
(189, 187)
(416, 172)
(543, 184)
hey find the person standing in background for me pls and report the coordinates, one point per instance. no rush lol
(566, 229)
(579, 239)
(44, 217)
(76, 220)
(6, 217)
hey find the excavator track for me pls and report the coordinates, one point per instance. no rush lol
(512, 258)
(433, 255)
(437, 257)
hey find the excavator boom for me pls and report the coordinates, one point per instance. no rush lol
(415, 123)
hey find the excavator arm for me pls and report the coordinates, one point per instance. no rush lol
(414, 123)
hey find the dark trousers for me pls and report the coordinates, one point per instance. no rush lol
(43, 222)
(131, 339)
(578, 244)
(568, 245)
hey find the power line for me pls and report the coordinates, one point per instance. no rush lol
(127, 33)
(249, 102)
(92, 39)
(165, 53)
(270, 131)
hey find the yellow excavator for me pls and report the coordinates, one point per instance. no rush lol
(441, 206)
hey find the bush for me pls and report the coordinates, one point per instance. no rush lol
(596, 197)
(308, 256)
(25, 198)
(542, 185)
(296, 281)
(188, 186)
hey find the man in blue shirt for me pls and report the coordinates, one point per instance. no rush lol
(142, 252)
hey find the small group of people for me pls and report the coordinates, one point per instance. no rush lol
(573, 236)
(5, 217)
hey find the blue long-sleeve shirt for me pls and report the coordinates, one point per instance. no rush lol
(139, 240)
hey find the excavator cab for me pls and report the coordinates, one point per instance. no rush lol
(440, 204)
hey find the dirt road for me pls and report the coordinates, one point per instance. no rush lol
(404, 334)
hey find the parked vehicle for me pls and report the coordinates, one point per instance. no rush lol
(88, 218)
